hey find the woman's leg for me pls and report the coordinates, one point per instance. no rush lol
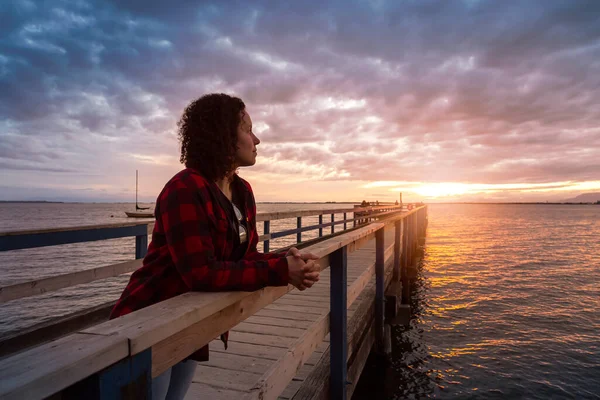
(160, 385)
(181, 378)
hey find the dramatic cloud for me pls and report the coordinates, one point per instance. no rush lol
(489, 95)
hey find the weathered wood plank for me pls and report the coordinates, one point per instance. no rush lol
(274, 321)
(204, 391)
(47, 369)
(236, 362)
(225, 378)
(72, 228)
(53, 329)
(41, 286)
(261, 338)
(249, 327)
(178, 346)
(249, 350)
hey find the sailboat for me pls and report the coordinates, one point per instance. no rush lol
(139, 213)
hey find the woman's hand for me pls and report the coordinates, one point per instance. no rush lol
(304, 256)
(302, 274)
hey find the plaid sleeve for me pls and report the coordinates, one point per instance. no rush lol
(191, 246)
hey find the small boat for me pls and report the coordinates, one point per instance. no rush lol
(139, 213)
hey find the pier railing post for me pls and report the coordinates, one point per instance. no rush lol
(299, 225)
(266, 231)
(332, 225)
(397, 236)
(141, 245)
(320, 223)
(337, 321)
(345, 223)
(404, 259)
(379, 290)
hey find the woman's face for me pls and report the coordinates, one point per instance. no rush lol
(245, 155)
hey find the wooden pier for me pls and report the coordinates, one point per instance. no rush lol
(283, 343)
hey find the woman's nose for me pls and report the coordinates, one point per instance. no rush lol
(256, 139)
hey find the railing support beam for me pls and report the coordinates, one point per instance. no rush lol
(141, 245)
(321, 223)
(338, 321)
(332, 225)
(266, 231)
(379, 290)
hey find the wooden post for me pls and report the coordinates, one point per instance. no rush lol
(141, 245)
(332, 226)
(338, 335)
(397, 244)
(299, 225)
(379, 288)
(345, 223)
(129, 379)
(320, 227)
(266, 231)
(404, 269)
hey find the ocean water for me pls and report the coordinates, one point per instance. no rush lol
(506, 305)
(24, 265)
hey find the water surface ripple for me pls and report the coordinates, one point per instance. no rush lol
(506, 305)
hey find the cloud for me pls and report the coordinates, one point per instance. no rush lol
(428, 91)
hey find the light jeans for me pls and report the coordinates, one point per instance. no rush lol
(174, 383)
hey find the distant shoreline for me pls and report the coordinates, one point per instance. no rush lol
(32, 201)
(310, 202)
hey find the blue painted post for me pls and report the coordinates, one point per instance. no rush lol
(141, 245)
(404, 270)
(128, 379)
(332, 226)
(299, 225)
(397, 231)
(379, 289)
(337, 321)
(321, 223)
(266, 231)
(345, 223)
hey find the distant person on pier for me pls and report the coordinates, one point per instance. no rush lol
(205, 236)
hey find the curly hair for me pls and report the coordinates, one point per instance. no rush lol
(208, 134)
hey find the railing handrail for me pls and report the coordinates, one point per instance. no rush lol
(162, 326)
(72, 228)
(43, 285)
(261, 216)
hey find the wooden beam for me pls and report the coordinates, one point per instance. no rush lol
(55, 328)
(45, 285)
(27, 240)
(177, 347)
(47, 369)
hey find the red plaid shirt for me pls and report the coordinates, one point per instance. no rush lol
(192, 245)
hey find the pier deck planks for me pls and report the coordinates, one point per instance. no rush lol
(258, 342)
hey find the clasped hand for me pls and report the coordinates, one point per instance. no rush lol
(302, 268)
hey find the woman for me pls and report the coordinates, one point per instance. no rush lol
(205, 236)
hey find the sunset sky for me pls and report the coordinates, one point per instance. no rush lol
(440, 100)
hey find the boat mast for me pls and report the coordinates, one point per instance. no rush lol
(136, 188)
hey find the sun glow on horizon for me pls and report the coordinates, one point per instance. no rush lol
(437, 190)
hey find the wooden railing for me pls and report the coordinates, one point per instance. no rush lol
(16, 240)
(119, 358)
